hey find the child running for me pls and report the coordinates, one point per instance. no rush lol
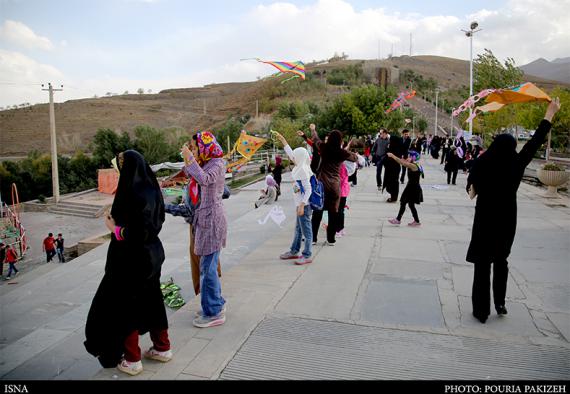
(301, 174)
(413, 192)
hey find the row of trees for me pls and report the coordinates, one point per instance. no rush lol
(79, 172)
(357, 113)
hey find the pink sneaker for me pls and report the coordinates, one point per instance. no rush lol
(304, 260)
(394, 221)
(414, 224)
(131, 368)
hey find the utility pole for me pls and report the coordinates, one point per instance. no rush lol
(256, 109)
(54, 170)
(451, 126)
(204, 102)
(436, 101)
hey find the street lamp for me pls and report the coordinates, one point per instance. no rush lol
(436, 103)
(469, 33)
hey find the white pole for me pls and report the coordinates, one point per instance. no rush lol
(470, 78)
(54, 168)
(451, 119)
(436, 101)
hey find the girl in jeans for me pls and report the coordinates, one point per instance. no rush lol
(302, 191)
(205, 167)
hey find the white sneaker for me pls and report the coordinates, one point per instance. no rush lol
(206, 322)
(130, 368)
(200, 313)
(154, 354)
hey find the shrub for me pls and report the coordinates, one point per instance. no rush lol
(552, 167)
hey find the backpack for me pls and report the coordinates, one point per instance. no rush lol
(317, 198)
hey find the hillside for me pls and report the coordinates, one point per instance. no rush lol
(26, 129)
(558, 69)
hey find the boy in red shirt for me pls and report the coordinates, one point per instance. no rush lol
(49, 247)
(11, 258)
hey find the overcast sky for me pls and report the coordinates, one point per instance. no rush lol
(94, 47)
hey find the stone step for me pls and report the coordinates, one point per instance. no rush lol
(81, 205)
(73, 212)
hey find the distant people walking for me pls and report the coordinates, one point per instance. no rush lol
(269, 194)
(205, 167)
(59, 248)
(332, 157)
(129, 301)
(495, 178)
(49, 247)
(413, 193)
(302, 190)
(452, 164)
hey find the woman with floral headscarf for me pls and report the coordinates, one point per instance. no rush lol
(413, 192)
(205, 167)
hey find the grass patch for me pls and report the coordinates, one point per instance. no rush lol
(245, 180)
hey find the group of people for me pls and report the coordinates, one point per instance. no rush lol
(52, 246)
(129, 302)
(135, 257)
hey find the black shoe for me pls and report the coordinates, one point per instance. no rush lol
(482, 319)
(501, 310)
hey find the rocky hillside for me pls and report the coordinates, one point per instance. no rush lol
(26, 129)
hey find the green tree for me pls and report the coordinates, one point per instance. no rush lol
(489, 73)
(152, 144)
(106, 144)
(422, 124)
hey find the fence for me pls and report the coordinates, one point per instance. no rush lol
(12, 232)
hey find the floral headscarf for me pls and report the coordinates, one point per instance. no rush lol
(208, 147)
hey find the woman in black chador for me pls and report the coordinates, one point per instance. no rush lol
(495, 178)
(392, 168)
(129, 301)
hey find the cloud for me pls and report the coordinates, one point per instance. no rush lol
(21, 78)
(20, 35)
(193, 55)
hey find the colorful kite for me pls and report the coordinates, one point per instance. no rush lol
(401, 99)
(497, 98)
(246, 146)
(296, 68)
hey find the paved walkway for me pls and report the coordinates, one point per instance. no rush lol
(386, 302)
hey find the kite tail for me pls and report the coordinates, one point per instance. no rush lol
(288, 79)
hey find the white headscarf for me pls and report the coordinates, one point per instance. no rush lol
(302, 169)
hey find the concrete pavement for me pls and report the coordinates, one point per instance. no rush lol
(386, 302)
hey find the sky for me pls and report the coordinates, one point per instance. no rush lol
(95, 47)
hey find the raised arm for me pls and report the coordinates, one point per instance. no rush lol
(204, 177)
(405, 163)
(531, 147)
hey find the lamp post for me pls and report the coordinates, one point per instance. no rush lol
(436, 102)
(469, 33)
(451, 126)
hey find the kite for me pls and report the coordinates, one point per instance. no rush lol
(276, 214)
(401, 99)
(497, 98)
(296, 68)
(246, 146)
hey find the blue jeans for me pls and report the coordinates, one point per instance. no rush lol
(211, 289)
(60, 255)
(12, 269)
(304, 229)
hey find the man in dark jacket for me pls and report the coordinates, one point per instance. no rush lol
(379, 150)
